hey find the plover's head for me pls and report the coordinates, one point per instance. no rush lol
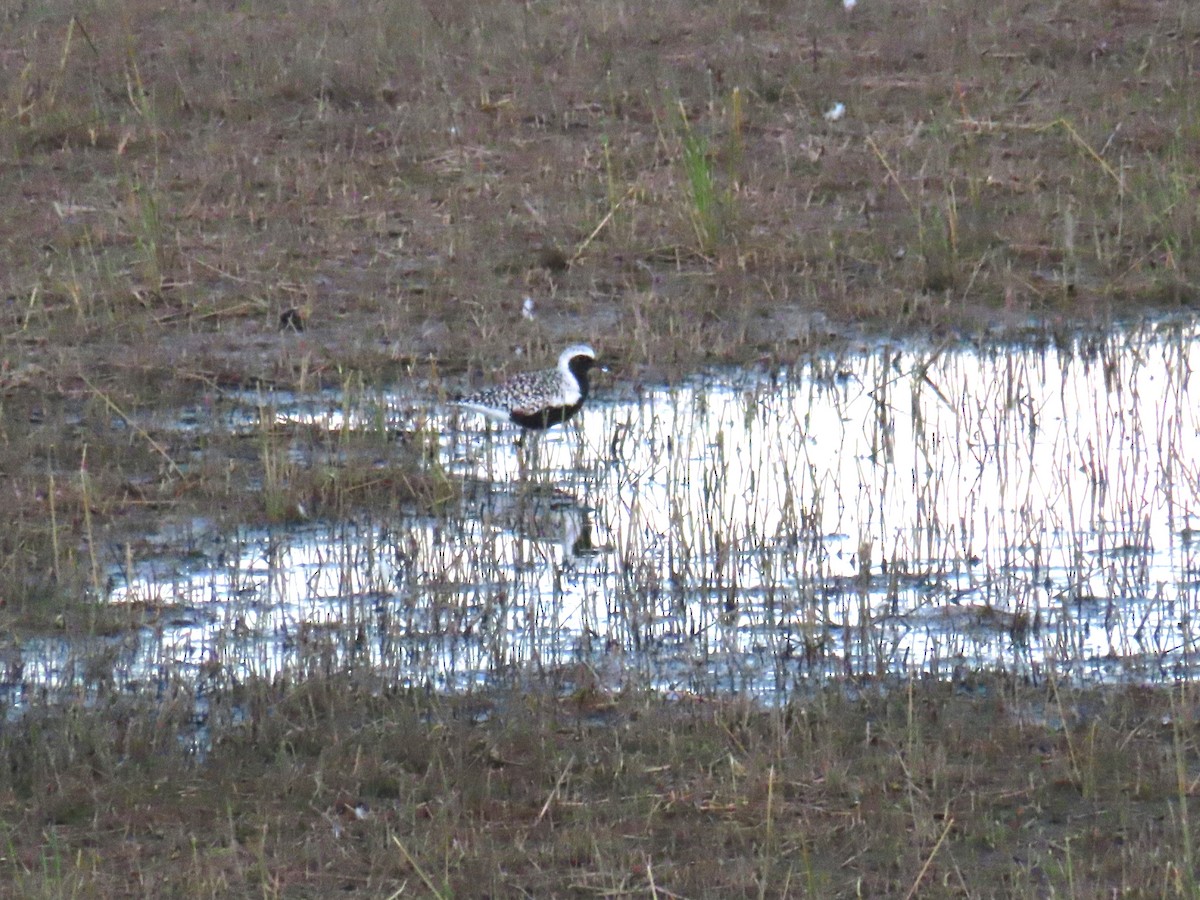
(577, 359)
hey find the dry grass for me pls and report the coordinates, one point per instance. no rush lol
(934, 790)
(407, 173)
(664, 183)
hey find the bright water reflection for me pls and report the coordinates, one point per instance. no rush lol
(907, 510)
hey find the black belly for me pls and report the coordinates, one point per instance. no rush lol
(544, 418)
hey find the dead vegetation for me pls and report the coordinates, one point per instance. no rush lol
(399, 177)
(338, 785)
(406, 174)
(665, 183)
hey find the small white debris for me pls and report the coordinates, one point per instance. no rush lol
(527, 309)
(68, 210)
(835, 112)
(849, 4)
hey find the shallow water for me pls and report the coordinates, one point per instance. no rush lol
(906, 510)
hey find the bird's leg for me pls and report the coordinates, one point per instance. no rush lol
(522, 456)
(535, 443)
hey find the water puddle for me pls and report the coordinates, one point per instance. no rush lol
(932, 510)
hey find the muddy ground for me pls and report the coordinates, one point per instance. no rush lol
(210, 196)
(676, 186)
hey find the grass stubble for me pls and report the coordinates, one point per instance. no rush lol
(337, 784)
(404, 175)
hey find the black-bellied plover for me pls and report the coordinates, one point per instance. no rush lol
(537, 400)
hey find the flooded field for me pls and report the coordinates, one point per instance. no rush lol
(940, 510)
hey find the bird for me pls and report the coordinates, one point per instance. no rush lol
(537, 400)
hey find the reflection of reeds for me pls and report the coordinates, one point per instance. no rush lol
(933, 510)
(843, 542)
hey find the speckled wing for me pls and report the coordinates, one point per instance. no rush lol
(527, 393)
(535, 392)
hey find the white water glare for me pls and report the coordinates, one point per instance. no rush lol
(936, 511)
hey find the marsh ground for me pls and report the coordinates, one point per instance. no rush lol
(663, 182)
(341, 787)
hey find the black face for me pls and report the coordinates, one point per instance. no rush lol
(580, 366)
